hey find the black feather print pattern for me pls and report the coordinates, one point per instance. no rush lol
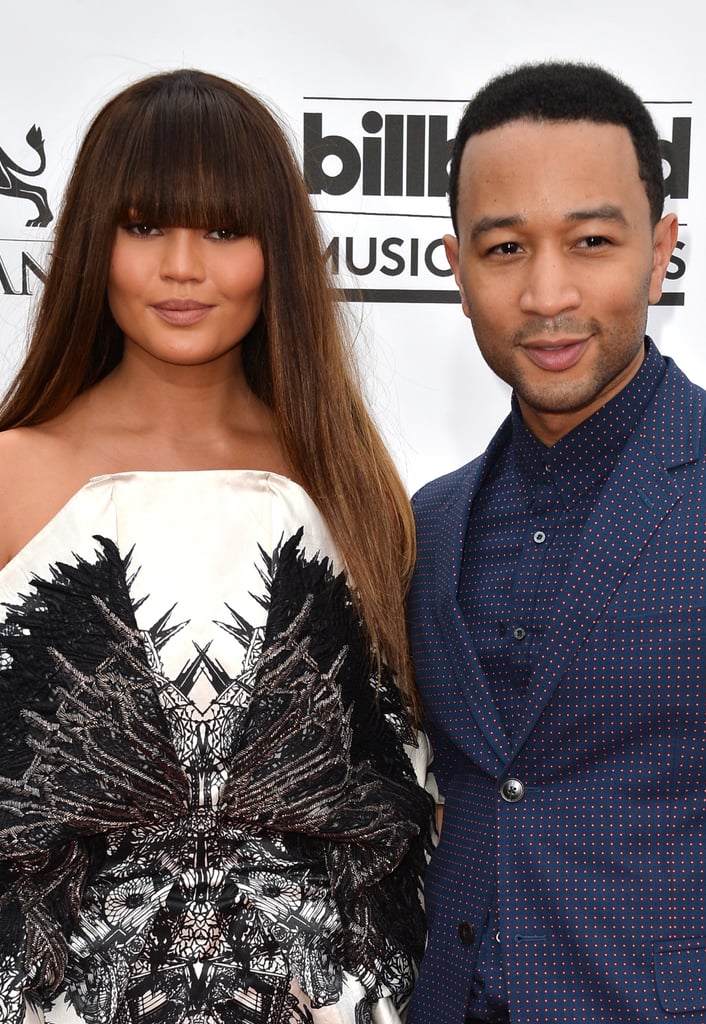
(167, 859)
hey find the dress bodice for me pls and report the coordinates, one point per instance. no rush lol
(203, 784)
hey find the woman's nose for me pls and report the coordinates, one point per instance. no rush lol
(182, 257)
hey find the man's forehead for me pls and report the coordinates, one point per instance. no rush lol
(586, 138)
(562, 169)
(579, 148)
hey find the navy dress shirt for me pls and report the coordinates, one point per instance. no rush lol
(523, 530)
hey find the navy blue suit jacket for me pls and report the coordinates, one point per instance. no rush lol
(601, 865)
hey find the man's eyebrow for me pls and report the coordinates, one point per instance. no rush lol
(606, 212)
(486, 224)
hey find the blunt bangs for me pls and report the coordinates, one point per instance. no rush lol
(189, 150)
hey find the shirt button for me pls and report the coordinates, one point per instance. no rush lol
(519, 633)
(512, 790)
(466, 933)
(539, 537)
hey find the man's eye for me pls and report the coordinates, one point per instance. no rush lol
(593, 242)
(506, 248)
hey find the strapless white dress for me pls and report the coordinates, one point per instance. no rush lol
(210, 810)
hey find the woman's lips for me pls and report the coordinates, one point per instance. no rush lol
(556, 355)
(181, 312)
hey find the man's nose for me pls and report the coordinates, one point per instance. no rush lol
(550, 286)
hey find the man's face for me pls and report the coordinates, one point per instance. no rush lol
(556, 261)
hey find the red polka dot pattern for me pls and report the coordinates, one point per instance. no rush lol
(600, 865)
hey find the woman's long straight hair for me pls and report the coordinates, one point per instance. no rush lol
(189, 149)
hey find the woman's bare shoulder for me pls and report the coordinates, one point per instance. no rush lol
(37, 478)
(22, 451)
(18, 442)
(30, 456)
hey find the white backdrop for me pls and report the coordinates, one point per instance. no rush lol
(382, 84)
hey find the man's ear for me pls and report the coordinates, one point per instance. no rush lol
(664, 238)
(451, 248)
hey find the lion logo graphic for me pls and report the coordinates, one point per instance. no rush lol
(13, 186)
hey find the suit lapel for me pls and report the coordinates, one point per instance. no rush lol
(638, 495)
(469, 675)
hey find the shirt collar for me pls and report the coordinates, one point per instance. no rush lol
(580, 462)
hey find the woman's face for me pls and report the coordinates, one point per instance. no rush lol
(185, 296)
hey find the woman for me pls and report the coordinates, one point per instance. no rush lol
(212, 803)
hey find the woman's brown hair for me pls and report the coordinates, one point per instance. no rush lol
(189, 149)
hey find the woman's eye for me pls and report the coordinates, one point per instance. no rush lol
(224, 234)
(141, 230)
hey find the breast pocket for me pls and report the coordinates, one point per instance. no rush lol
(680, 975)
(660, 649)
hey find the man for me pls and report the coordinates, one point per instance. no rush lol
(558, 610)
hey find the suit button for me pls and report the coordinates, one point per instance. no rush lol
(512, 790)
(467, 933)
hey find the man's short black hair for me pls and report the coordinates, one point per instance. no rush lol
(561, 91)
